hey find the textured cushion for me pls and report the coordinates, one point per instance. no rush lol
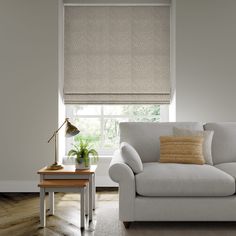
(206, 146)
(131, 157)
(229, 168)
(168, 179)
(181, 149)
(223, 142)
(144, 136)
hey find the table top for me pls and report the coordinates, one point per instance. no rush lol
(68, 169)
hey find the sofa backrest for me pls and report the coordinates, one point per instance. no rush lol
(144, 136)
(223, 142)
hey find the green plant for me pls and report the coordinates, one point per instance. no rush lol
(82, 150)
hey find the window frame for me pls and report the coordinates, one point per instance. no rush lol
(164, 117)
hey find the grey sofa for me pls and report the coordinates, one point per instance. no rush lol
(176, 192)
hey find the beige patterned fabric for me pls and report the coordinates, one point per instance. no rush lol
(181, 149)
(117, 54)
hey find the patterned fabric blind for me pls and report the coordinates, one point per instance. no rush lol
(117, 55)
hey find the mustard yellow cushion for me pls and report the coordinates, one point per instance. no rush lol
(181, 149)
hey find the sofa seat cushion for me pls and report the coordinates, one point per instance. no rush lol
(229, 168)
(170, 179)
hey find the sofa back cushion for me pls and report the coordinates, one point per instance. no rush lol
(223, 142)
(144, 136)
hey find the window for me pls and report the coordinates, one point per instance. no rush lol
(115, 54)
(99, 124)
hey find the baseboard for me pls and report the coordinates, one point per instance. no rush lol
(105, 181)
(19, 186)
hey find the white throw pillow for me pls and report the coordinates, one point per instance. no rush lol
(131, 157)
(206, 147)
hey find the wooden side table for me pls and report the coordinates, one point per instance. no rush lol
(69, 173)
(57, 185)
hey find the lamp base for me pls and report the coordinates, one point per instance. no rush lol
(55, 166)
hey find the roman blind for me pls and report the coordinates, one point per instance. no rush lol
(117, 54)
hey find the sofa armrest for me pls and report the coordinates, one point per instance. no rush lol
(123, 174)
(119, 171)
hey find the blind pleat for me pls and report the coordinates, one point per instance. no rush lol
(117, 54)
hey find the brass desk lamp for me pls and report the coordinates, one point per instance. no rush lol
(71, 131)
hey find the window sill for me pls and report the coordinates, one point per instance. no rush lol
(71, 161)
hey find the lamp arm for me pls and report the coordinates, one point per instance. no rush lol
(55, 132)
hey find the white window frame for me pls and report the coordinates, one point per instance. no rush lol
(164, 117)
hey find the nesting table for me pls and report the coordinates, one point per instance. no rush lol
(68, 180)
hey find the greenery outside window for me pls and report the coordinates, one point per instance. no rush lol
(100, 123)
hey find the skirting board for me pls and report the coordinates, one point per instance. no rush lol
(105, 181)
(18, 186)
(32, 186)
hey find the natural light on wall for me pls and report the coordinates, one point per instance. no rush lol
(100, 123)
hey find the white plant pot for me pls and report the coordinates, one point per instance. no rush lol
(81, 166)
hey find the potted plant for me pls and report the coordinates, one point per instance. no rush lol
(85, 155)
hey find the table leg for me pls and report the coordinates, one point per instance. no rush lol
(82, 208)
(42, 208)
(90, 197)
(94, 191)
(86, 201)
(51, 203)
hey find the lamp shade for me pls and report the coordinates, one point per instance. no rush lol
(71, 130)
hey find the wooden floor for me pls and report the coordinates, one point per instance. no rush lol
(19, 216)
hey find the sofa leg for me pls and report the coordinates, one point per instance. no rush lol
(127, 224)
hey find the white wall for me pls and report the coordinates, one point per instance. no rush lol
(205, 78)
(102, 175)
(205, 60)
(28, 89)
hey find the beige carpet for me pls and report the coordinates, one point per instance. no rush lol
(108, 225)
